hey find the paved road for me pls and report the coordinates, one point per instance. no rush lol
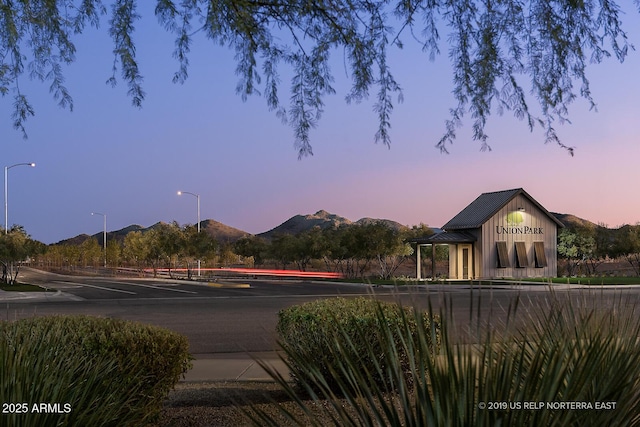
(226, 318)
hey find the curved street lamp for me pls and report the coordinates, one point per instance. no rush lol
(6, 191)
(104, 236)
(197, 196)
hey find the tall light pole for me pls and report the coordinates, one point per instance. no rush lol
(104, 236)
(197, 196)
(6, 191)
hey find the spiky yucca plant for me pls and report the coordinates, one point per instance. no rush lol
(571, 354)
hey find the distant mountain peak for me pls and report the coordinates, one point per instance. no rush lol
(323, 219)
(572, 221)
(387, 222)
(299, 223)
(222, 231)
(294, 225)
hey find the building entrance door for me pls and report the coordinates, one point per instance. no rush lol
(464, 261)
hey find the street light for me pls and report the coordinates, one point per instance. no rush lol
(104, 236)
(197, 196)
(6, 202)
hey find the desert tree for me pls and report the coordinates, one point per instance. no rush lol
(390, 245)
(53, 257)
(603, 246)
(627, 246)
(283, 250)
(309, 245)
(577, 246)
(16, 246)
(349, 248)
(169, 241)
(114, 253)
(197, 246)
(155, 253)
(91, 253)
(363, 244)
(136, 250)
(226, 256)
(253, 247)
(70, 255)
(336, 256)
(528, 58)
(359, 246)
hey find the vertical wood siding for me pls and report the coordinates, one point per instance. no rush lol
(532, 217)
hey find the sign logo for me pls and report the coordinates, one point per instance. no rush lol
(515, 218)
(515, 226)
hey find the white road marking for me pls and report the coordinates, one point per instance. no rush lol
(98, 287)
(163, 288)
(66, 285)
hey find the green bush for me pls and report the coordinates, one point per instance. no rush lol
(579, 360)
(80, 370)
(317, 335)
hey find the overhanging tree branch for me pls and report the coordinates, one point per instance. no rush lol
(494, 47)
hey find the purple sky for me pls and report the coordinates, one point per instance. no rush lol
(107, 156)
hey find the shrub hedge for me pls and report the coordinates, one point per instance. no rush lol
(81, 370)
(316, 336)
(572, 360)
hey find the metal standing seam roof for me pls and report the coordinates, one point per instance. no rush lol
(443, 237)
(451, 237)
(485, 206)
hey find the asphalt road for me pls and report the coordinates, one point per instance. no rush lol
(234, 316)
(241, 316)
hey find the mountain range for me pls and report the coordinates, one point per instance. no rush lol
(293, 225)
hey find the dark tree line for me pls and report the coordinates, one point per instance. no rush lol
(585, 248)
(354, 250)
(164, 246)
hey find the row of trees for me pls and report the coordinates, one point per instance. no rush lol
(163, 246)
(585, 248)
(354, 250)
(375, 248)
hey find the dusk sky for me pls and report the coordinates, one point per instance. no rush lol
(107, 156)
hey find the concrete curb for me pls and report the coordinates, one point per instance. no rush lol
(229, 285)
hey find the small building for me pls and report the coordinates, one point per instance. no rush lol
(503, 234)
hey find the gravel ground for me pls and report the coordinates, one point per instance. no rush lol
(217, 403)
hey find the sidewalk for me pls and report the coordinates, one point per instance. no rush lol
(206, 367)
(6, 296)
(234, 367)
